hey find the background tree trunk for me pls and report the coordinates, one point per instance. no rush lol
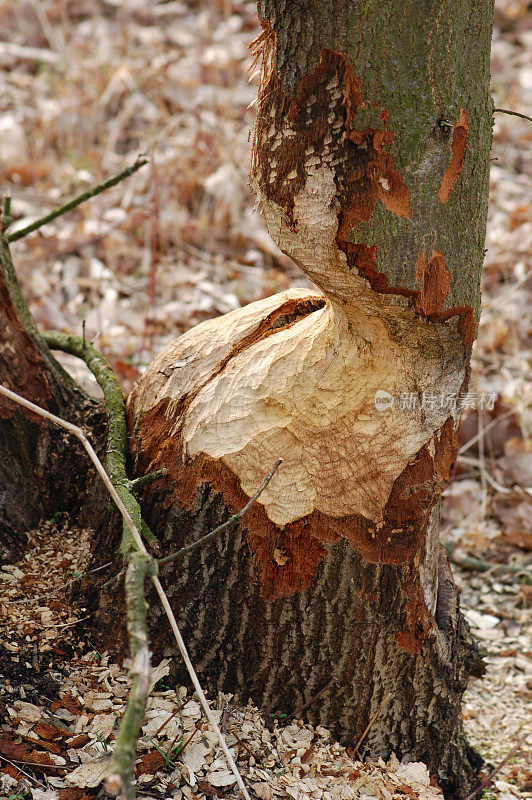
(334, 600)
(43, 469)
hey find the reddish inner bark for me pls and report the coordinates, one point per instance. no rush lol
(21, 367)
(436, 280)
(458, 151)
(287, 557)
(365, 173)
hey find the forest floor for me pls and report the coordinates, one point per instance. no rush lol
(61, 700)
(84, 88)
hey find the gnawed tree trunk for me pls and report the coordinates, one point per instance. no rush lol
(370, 164)
(43, 469)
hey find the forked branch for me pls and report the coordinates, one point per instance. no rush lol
(119, 779)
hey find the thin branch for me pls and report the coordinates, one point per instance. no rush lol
(297, 713)
(67, 624)
(482, 466)
(63, 423)
(481, 565)
(221, 528)
(498, 768)
(168, 719)
(7, 219)
(115, 459)
(500, 300)
(197, 686)
(76, 201)
(242, 744)
(187, 741)
(476, 462)
(57, 589)
(54, 35)
(495, 421)
(23, 772)
(123, 760)
(372, 721)
(114, 778)
(512, 113)
(139, 483)
(15, 50)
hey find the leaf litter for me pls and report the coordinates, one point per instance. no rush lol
(61, 702)
(65, 734)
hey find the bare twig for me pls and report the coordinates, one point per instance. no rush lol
(115, 459)
(197, 686)
(55, 37)
(57, 589)
(63, 423)
(76, 201)
(482, 465)
(499, 300)
(495, 421)
(115, 778)
(67, 624)
(221, 528)
(123, 760)
(23, 772)
(187, 741)
(30, 53)
(481, 565)
(512, 113)
(498, 768)
(139, 483)
(296, 714)
(168, 719)
(372, 721)
(475, 462)
(243, 744)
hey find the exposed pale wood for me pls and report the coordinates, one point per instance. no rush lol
(306, 393)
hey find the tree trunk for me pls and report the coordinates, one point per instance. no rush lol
(43, 469)
(334, 600)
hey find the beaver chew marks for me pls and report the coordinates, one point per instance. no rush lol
(296, 376)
